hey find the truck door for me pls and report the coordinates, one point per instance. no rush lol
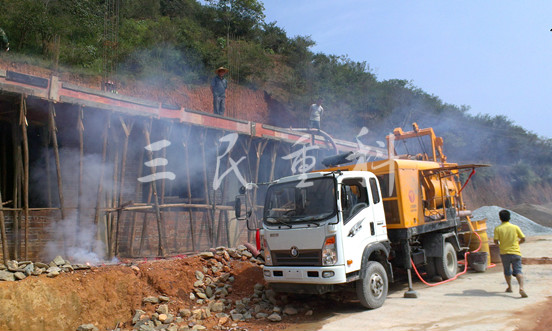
(377, 209)
(358, 219)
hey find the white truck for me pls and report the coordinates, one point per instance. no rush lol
(350, 226)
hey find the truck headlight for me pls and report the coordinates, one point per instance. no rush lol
(267, 256)
(329, 251)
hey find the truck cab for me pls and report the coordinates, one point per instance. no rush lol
(320, 231)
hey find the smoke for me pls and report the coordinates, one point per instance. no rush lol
(75, 241)
(160, 65)
(77, 236)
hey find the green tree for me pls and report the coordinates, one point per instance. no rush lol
(239, 17)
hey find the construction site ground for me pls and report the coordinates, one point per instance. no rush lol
(107, 296)
(475, 301)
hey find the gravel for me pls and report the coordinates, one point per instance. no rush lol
(528, 227)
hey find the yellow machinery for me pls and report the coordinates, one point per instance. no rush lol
(422, 196)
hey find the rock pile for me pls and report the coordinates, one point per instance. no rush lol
(526, 225)
(15, 270)
(212, 308)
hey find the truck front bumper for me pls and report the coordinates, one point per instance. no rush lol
(305, 275)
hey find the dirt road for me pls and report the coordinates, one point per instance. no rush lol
(475, 301)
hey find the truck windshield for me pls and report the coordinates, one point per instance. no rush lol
(300, 202)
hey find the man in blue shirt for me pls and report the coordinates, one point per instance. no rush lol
(218, 87)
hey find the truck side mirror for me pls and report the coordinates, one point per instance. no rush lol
(239, 206)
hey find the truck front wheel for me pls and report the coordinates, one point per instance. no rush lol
(447, 264)
(372, 288)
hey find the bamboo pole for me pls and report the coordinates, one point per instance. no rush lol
(5, 251)
(206, 187)
(126, 129)
(259, 149)
(219, 228)
(80, 129)
(166, 133)
(102, 171)
(25, 191)
(188, 184)
(160, 226)
(111, 226)
(4, 162)
(143, 233)
(138, 192)
(144, 222)
(246, 148)
(53, 129)
(225, 188)
(3, 186)
(162, 206)
(216, 227)
(18, 166)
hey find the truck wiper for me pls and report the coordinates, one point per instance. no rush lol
(279, 220)
(308, 219)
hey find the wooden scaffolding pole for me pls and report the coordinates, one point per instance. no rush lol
(3, 160)
(185, 143)
(210, 216)
(246, 145)
(18, 167)
(25, 191)
(5, 251)
(80, 129)
(225, 189)
(113, 199)
(53, 135)
(126, 129)
(166, 132)
(135, 214)
(150, 194)
(160, 226)
(102, 171)
(259, 149)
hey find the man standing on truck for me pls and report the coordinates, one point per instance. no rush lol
(508, 237)
(218, 87)
(316, 111)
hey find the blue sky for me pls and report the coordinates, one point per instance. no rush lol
(493, 56)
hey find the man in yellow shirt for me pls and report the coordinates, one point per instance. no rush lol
(508, 237)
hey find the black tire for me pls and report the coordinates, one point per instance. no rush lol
(372, 289)
(447, 264)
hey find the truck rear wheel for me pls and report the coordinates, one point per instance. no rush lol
(447, 264)
(372, 288)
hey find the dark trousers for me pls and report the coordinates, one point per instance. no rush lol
(314, 124)
(218, 105)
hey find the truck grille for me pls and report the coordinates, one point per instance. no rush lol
(305, 258)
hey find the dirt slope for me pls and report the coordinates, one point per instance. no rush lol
(109, 295)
